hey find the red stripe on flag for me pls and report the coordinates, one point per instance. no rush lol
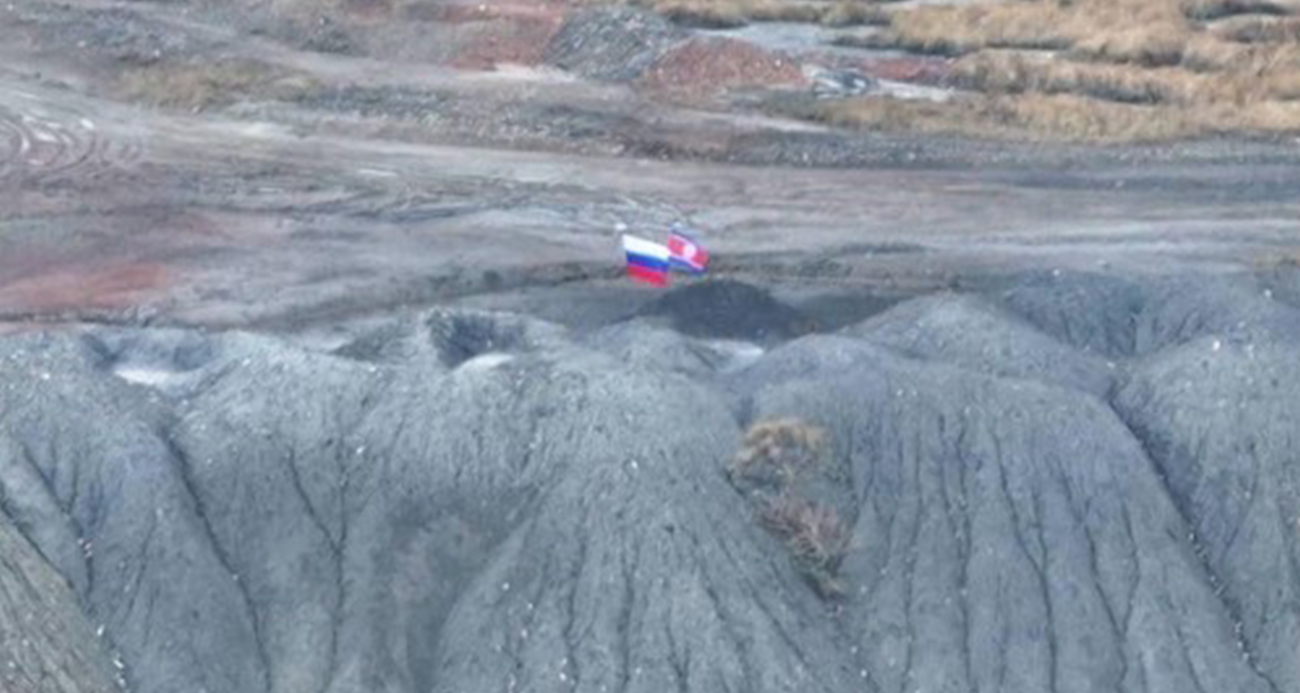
(649, 276)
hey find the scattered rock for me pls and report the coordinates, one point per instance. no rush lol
(611, 43)
(831, 83)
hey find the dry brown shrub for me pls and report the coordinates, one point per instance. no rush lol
(853, 13)
(779, 450)
(815, 536)
(1260, 78)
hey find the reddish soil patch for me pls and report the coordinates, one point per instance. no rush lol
(491, 34)
(75, 289)
(703, 66)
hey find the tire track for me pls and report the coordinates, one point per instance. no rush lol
(37, 147)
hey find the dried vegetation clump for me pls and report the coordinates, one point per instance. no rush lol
(776, 455)
(1098, 70)
(815, 536)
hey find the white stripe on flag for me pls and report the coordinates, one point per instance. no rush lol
(641, 246)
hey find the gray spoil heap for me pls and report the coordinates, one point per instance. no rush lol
(1036, 497)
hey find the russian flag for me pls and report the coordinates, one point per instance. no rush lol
(685, 253)
(647, 261)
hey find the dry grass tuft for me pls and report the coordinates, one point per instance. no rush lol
(815, 536)
(778, 454)
(1007, 72)
(955, 30)
(854, 14)
(1203, 10)
(1130, 30)
(206, 85)
(1143, 32)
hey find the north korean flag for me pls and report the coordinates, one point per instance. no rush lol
(684, 253)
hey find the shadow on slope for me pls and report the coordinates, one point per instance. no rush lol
(728, 309)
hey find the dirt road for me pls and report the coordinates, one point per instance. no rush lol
(275, 215)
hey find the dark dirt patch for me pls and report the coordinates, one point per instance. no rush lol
(611, 43)
(729, 310)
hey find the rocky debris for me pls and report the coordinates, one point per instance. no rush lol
(46, 643)
(611, 43)
(705, 66)
(839, 83)
(466, 500)
(118, 34)
(391, 102)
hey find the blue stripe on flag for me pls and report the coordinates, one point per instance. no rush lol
(646, 261)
